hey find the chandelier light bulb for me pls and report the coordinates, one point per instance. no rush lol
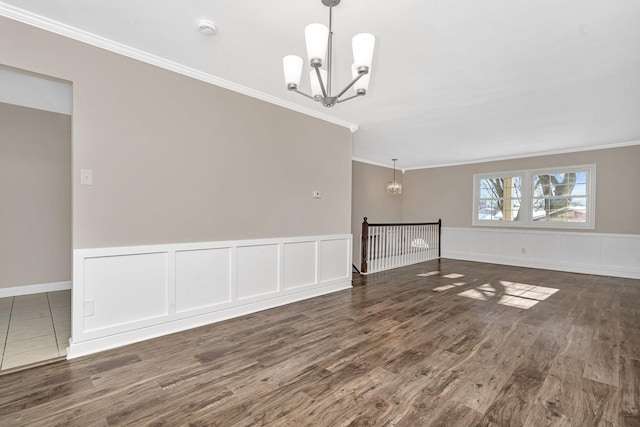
(363, 45)
(316, 37)
(292, 65)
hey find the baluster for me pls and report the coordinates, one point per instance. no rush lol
(411, 247)
(433, 240)
(370, 249)
(417, 248)
(391, 246)
(396, 233)
(387, 247)
(403, 246)
(381, 238)
(376, 254)
(425, 252)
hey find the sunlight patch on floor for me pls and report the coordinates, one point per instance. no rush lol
(519, 295)
(431, 273)
(445, 287)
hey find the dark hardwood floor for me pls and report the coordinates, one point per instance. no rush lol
(401, 348)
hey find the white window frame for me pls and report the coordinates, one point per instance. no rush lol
(526, 203)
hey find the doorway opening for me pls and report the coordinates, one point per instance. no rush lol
(35, 218)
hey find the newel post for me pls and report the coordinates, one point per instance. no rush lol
(439, 237)
(363, 245)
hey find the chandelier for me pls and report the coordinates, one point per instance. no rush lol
(394, 187)
(319, 39)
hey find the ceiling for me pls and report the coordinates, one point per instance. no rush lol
(453, 81)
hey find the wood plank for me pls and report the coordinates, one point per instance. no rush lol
(629, 392)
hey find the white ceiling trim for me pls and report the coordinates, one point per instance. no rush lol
(524, 156)
(374, 163)
(65, 30)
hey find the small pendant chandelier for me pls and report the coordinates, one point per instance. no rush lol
(319, 38)
(394, 187)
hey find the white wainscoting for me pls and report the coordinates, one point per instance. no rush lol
(579, 252)
(128, 294)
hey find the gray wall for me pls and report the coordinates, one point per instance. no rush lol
(35, 196)
(447, 192)
(370, 199)
(180, 160)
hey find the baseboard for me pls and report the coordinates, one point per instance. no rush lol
(15, 291)
(105, 343)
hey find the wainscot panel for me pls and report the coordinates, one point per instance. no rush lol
(128, 294)
(300, 266)
(579, 252)
(203, 278)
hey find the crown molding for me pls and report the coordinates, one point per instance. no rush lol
(524, 156)
(374, 163)
(42, 22)
(497, 159)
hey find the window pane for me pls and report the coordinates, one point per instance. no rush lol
(542, 186)
(494, 204)
(581, 177)
(580, 190)
(559, 184)
(512, 186)
(485, 193)
(577, 210)
(510, 210)
(489, 214)
(539, 213)
(557, 209)
(499, 198)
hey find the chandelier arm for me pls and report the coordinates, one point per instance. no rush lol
(349, 98)
(351, 84)
(303, 94)
(324, 92)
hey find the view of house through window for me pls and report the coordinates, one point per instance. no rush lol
(553, 197)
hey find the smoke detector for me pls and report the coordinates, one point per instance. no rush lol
(207, 28)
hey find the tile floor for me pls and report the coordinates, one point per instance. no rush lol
(34, 328)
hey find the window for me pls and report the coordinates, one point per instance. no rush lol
(500, 198)
(556, 197)
(560, 197)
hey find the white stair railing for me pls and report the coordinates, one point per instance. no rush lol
(387, 246)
